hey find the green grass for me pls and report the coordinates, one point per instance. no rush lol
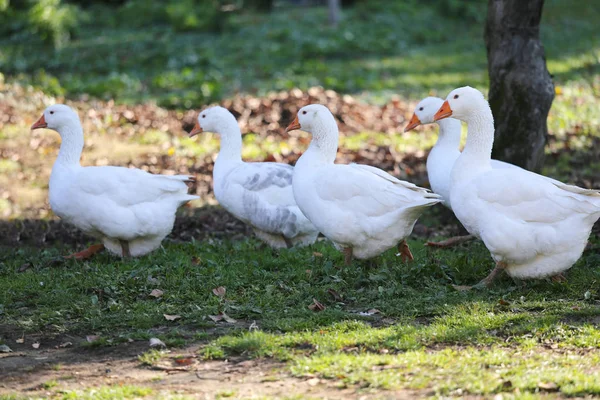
(107, 393)
(393, 50)
(426, 336)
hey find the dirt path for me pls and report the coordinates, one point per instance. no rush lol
(51, 369)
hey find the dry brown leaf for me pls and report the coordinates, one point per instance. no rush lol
(316, 306)
(216, 318)
(171, 317)
(65, 344)
(156, 342)
(317, 254)
(24, 267)
(313, 381)
(92, 338)
(196, 261)
(184, 361)
(336, 296)
(219, 291)
(20, 340)
(222, 317)
(461, 288)
(548, 386)
(156, 293)
(370, 312)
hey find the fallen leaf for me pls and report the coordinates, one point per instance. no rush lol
(461, 288)
(196, 261)
(216, 318)
(156, 342)
(20, 340)
(576, 308)
(92, 338)
(548, 386)
(308, 273)
(222, 317)
(5, 349)
(316, 306)
(317, 254)
(228, 319)
(171, 317)
(156, 293)
(24, 267)
(65, 344)
(219, 291)
(372, 311)
(336, 296)
(184, 361)
(503, 302)
(35, 345)
(313, 381)
(153, 280)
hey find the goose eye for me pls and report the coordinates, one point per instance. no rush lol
(204, 116)
(421, 109)
(304, 112)
(456, 96)
(51, 112)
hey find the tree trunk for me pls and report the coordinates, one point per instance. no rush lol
(334, 12)
(521, 89)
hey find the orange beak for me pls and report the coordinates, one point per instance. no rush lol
(195, 130)
(41, 123)
(444, 112)
(414, 122)
(293, 126)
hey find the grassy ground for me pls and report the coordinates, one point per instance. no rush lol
(388, 330)
(390, 326)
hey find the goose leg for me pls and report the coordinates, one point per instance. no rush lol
(348, 256)
(404, 251)
(453, 241)
(558, 278)
(125, 248)
(487, 281)
(288, 242)
(87, 253)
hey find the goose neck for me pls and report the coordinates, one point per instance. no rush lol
(449, 133)
(324, 142)
(480, 137)
(71, 145)
(231, 143)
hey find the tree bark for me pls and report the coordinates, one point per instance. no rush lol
(334, 12)
(521, 89)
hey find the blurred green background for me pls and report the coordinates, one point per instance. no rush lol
(185, 53)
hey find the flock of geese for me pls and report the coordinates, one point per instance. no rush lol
(533, 226)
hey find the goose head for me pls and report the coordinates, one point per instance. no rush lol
(424, 112)
(57, 117)
(315, 119)
(462, 103)
(215, 119)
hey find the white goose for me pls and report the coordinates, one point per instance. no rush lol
(129, 210)
(362, 209)
(443, 155)
(533, 226)
(259, 194)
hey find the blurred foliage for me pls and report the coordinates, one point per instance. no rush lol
(52, 21)
(169, 51)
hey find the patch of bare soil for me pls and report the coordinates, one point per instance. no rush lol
(28, 371)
